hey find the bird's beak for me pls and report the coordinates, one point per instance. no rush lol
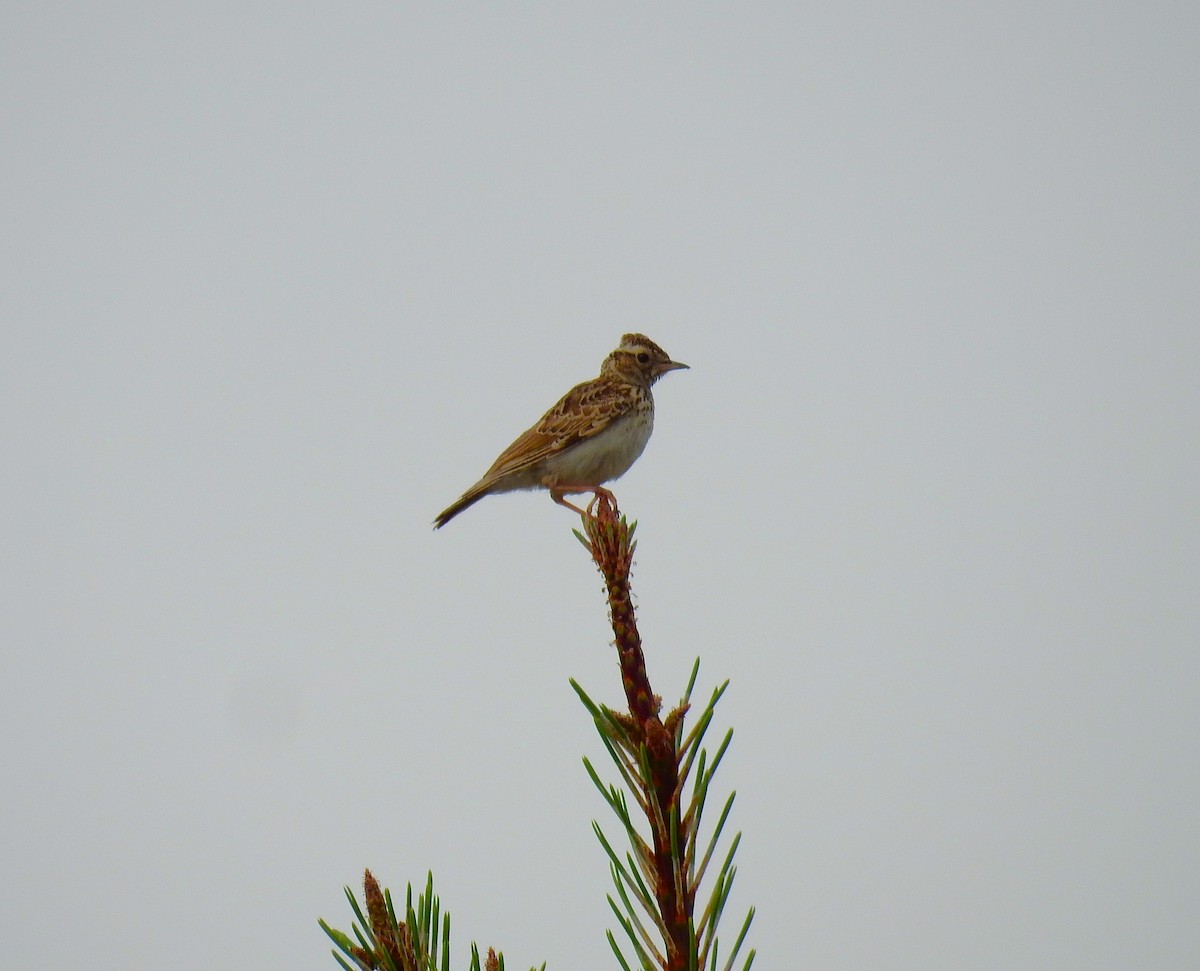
(669, 366)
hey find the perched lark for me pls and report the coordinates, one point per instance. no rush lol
(592, 436)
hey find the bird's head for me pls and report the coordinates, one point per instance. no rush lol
(639, 360)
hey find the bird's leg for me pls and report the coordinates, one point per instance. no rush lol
(559, 491)
(559, 496)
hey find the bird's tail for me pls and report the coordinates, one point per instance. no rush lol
(468, 498)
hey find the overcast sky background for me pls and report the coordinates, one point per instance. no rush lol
(280, 280)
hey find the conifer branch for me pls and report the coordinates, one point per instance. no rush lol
(659, 876)
(654, 759)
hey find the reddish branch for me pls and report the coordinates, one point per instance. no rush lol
(395, 939)
(612, 549)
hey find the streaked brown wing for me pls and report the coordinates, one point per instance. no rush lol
(584, 411)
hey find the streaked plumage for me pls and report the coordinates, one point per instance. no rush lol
(592, 436)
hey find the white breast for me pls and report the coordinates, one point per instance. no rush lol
(605, 456)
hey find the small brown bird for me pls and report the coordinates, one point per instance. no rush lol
(592, 436)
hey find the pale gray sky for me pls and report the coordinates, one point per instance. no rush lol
(280, 280)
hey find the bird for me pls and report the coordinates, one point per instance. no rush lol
(592, 435)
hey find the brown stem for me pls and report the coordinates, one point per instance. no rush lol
(612, 549)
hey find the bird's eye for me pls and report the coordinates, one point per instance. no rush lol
(643, 358)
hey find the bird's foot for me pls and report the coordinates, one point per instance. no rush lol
(607, 501)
